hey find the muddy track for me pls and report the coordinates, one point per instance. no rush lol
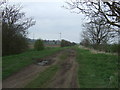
(66, 76)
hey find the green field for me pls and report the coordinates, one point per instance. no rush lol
(97, 70)
(14, 63)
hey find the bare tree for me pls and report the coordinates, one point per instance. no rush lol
(13, 17)
(2, 2)
(98, 31)
(110, 10)
(14, 29)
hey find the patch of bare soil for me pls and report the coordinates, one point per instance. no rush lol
(29, 73)
(66, 77)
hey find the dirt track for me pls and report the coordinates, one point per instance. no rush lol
(66, 77)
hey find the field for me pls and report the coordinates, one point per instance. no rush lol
(71, 67)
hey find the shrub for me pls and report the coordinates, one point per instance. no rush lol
(65, 43)
(14, 30)
(39, 45)
(12, 42)
(115, 48)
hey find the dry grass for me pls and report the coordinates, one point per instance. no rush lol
(96, 51)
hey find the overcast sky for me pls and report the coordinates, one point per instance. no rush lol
(52, 19)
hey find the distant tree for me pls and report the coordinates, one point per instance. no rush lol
(65, 43)
(14, 29)
(39, 45)
(73, 43)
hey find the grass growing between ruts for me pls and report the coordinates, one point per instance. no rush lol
(97, 70)
(43, 77)
(14, 63)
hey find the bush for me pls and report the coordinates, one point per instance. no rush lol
(14, 30)
(39, 45)
(12, 42)
(65, 43)
(85, 42)
(115, 48)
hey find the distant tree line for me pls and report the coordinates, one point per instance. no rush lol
(51, 42)
(40, 44)
(46, 42)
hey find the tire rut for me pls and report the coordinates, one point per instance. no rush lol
(66, 77)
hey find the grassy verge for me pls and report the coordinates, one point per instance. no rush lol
(43, 77)
(14, 63)
(97, 70)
